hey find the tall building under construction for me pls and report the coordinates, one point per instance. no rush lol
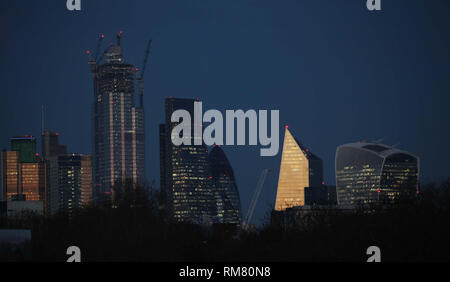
(118, 125)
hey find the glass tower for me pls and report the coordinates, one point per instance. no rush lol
(299, 169)
(23, 173)
(70, 185)
(226, 194)
(185, 182)
(26, 146)
(51, 146)
(368, 173)
(118, 125)
(10, 175)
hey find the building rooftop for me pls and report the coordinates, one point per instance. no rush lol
(382, 150)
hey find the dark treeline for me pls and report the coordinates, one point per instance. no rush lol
(137, 230)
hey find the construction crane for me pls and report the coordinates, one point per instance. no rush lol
(140, 77)
(100, 58)
(93, 60)
(99, 45)
(255, 198)
(119, 37)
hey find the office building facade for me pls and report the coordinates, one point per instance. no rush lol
(185, 182)
(324, 195)
(50, 145)
(299, 169)
(226, 194)
(26, 146)
(23, 172)
(70, 183)
(369, 173)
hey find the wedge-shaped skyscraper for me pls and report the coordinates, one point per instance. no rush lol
(299, 169)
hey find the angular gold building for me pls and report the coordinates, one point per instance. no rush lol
(299, 169)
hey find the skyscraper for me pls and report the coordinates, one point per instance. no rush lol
(163, 165)
(70, 180)
(185, 181)
(324, 195)
(86, 180)
(50, 149)
(226, 194)
(369, 172)
(299, 169)
(23, 173)
(118, 125)
(10, 175)
(26, 146)
(51, 146)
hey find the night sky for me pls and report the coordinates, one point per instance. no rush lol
(337, 72)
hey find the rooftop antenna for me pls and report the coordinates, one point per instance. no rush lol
(119, 36)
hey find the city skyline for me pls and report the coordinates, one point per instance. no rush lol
(387, 85)
(224, 139)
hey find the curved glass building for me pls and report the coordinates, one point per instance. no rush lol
(369, 173)
(228, 203)
(185, 179)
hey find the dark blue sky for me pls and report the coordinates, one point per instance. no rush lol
(337, 72)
